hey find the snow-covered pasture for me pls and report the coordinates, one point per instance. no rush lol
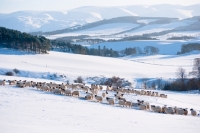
(31, 110)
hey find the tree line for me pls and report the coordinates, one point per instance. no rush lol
(185, 48)
(22, 41)
(79, 49)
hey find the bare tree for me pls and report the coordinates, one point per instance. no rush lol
(181, 74)
(196, 68)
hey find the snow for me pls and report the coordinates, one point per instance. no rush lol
(30, 110)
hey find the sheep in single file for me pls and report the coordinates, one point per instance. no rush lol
(193, 112)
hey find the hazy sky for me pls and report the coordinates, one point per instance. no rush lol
(7, 6)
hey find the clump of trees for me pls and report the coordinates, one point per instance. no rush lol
(79, 49)
(151, 50)
(22, 41)
(185, 48)
(183, 83)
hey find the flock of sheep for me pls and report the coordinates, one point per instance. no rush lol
(97, 93)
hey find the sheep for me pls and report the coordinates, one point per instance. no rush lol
(89, 97)
(128, 104)
(163, 95)
(21, 84)
(76, 93)
(121, 98)
(157, 109)
(67, 92)
(144, 103)
(94, 91)
(56, 91)
(45, 88)
(84, 88)
(168, 110)
(12, 82)
(142, 106)
(3, 82)
(108, 88)
(101, 87)
(193, 112)
(137, 92)
(110, 101)
(121, 103)
(181, 111)
(98, 98)
(104, 94)
(28, 84)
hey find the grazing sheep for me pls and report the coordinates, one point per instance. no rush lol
(169, 110)
(104, 94)
(193, 112)
(98, 98)
(163, 95)
(67, 92)
(101, 87)
(85, 88)
(3, 82)
(109, 88)
(12, 82)
(56, 91)
(21, 84)
(121, 103)
(94, 91)
(181, 111)
(137, 92)
(45, 88)
(128, 104)
(28, 84)
(110, 101)
(157, 109)
(142, 106)
(75, 93)
(89, 97)
(121, 98)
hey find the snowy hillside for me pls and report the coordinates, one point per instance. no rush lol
(70, 66)
(54, 20)
(31, 110)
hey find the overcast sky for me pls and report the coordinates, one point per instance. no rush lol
(7, 6)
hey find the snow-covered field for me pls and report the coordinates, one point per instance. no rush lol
(33, 111)
(29, 110)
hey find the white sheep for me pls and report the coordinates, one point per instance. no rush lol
(3, 82)
(169, 110)
(142, 106)
(128, 104)
(193, 112)
(89, 97)
(12, 82)
(157, 109)
(104, 94)
(121, 103)
(110, 101)
(75, 93)
(98, 98)
(56, 91)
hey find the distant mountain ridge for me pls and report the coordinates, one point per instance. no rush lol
(30, 21)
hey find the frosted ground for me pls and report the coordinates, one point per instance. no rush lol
(29, 110)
